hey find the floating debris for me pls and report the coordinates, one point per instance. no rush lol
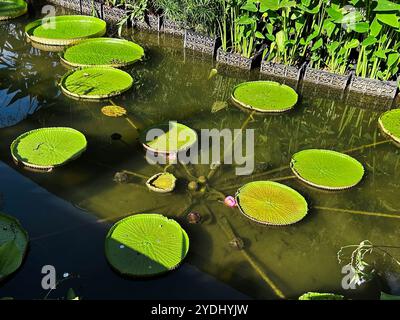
(237, 243)
(193, 186)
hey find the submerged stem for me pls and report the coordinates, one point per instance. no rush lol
(367, 146)
(367, 213)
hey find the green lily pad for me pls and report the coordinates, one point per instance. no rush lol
(65, 30)
(171, 137)
(265, 96)
(96, 82)
(103, 52)
(10, 9)
(321, 296)
(146, 245)
(389, 123)
(162, 182)
(386, 296)
(47, 148)
(13, 245)
(271, 203)
(327, 169)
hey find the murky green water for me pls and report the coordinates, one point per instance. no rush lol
(172, 84)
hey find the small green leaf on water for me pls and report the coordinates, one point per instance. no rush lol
(213, 73)
(71, 295)
(218, 105)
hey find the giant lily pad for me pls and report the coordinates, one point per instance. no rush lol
(146, 245)
(389, 122)
(265, 96)
(320, 296)
(272, 203)
(10, 9)
(65, 30)
(47, 148)
(327, 169)
(13, 245)
(96, 83)
(103, 52)
(162, 182)
(171, 137)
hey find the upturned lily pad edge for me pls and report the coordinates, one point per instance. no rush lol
(386, 131)
(22, 11)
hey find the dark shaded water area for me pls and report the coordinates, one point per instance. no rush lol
(173, 84)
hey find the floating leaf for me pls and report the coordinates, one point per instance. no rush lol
(13, 245)
(103, 52)
(47, 148)
(265, 96)
(386, 296)
(218, 106)
(96, 82)
(65, 30)
(327, 169)
(271, 203)
(389, 122)
(212, 74)
(146, 245)
(162, 182)
(113, 111)
(171, 137)
(10, 9)
(321, 296)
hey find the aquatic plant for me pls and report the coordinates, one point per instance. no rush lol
(389, 122)
(175, 138)
(47, 148)
(321, 296)
(146, 245)
(327, 169)
(272, 203)
(96, 82)
(13, 245)
(106, 52)
(265, 96)
(360, 256)
(161, 182)
(10, 9)
(65, 30)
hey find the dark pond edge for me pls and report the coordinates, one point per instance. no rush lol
(206, 44)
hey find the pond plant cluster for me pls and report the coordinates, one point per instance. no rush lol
(150, 244)
(338, 36)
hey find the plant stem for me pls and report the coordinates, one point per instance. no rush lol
(366, 213)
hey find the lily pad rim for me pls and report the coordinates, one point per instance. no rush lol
(269, 111)
(67, 41)
(297, 174)
(169, 220)
(23, 9)
(92, 97)
(113, 65)
(386, 131)
(49, 167)
(268, 223)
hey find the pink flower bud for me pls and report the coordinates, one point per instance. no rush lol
(230, 201)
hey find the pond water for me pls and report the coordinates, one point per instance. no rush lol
(172, 84)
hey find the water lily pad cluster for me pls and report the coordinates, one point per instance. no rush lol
(13, 245)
